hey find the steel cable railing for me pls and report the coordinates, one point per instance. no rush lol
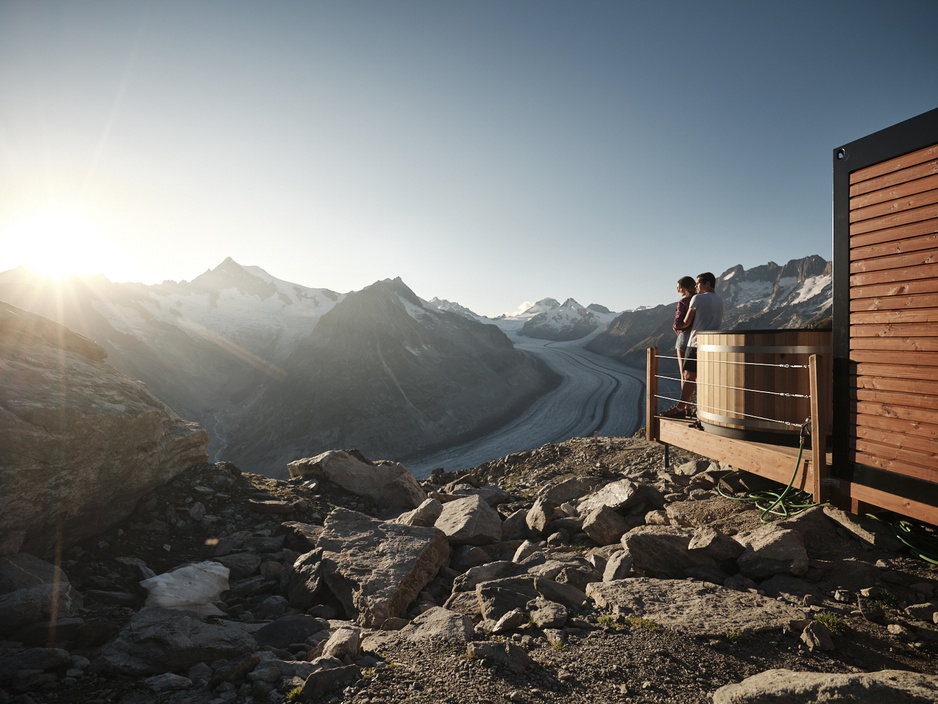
(737, 413)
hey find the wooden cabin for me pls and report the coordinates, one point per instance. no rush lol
(873, 391)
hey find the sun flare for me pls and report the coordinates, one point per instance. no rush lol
(59, 244)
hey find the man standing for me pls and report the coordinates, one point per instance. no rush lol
(705, 312)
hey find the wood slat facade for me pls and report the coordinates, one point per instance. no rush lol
(886, 315)
(883, 407)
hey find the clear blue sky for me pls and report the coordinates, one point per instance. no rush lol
(487, 152)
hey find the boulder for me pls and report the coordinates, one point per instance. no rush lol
(376, 569)
(604, 525)
(773, 550)
(388, 484)
(499, 596)
(622, 495)
(287, 630)
(546, 506)
(692, 607)
(33, 591)
(663, 552)
(305, 580)
(470, 521)
(15, 662)
(783, 686)
(424, 515)
(163, 640)
(618, 566)
(435, 625)
(80, 442)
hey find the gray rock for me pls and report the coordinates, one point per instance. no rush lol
(163, 640)
(817, 636)
(14, 661)
(692, 607)
(622, 495)
(299, 536)
(546, 505)
(507, 623)
(525, 550)
(20, 571)
(515, 526)
(343, 643)
(507, 655)
(305, 580)
(470, 521)
(241, 564)
(499, 596)
(548, 614)
(491, 494)
(466, 557)
(80, 442)
(566, 594)
(719, 513)
(604, 525)
(484, 573)
(288, 630)
(709, 541)
(167, 682)
(788, 687)
(424, 515)
(773, 550)
(37, 605)
(326, 679)
(540, 515)
(389, 484)
(619, 566)
(376, 569)
(438, 624)
(662, 552)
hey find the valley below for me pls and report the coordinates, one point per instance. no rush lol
(597, 394)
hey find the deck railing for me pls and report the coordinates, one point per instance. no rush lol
(815, 423)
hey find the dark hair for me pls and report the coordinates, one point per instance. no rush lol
(707, 278)
(687, 283)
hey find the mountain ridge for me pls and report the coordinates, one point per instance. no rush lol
(392, 373)
(275, 370)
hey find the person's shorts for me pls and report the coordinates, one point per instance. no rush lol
(690, 360)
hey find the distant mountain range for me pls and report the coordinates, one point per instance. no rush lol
(795, 295)
(276, 371)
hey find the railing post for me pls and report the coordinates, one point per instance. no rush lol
(651, 394)
(819, 373)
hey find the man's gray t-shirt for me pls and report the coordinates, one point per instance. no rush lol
(708, 315)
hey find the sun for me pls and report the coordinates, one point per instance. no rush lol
(58, 244)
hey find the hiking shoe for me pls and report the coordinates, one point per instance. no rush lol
(674, 412)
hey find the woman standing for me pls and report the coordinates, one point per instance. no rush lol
(686, 288)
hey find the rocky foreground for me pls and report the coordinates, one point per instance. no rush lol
(578, 572)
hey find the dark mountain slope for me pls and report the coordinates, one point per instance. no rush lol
(385, 374)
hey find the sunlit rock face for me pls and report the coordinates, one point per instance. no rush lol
(80, 442)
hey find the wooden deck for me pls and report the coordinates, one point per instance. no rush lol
(774, 462)
(778, 462)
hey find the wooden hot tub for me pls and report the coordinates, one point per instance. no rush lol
(754, 384)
